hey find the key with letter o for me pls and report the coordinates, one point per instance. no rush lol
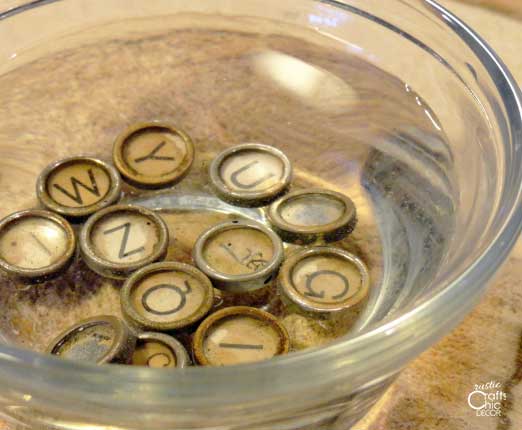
(166, 296)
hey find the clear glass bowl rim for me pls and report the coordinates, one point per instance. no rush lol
(359, 357)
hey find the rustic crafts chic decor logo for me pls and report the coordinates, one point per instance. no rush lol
(486, 399)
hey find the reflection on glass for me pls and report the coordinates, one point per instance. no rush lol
(313, 85)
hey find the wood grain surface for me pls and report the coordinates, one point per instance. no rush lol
(511, 7)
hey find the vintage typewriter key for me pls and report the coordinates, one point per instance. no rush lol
(323, 279)
(36, 244)
(121, 239)
(102, 339)
(312, 216)
(250, 174)
(166, 296)
(239, 256)
(78, 186)
(159, 350)
(238, 335)
(153, 154)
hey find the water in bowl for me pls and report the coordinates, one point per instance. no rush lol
(345, 124)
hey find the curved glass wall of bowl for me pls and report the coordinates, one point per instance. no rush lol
(396, 104)
(416, 209)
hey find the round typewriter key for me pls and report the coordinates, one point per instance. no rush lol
(239, 256)
(312, 215)
(121, 239)
(102, 339)
(35, 244)
(166, 296)
(324, 279)
(78, 186)
(251, 174)
(153, 154)
(238, 335)
(159, 350)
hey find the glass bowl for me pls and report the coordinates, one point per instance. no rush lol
(397, 104)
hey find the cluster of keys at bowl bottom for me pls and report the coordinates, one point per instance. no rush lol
(159, 298)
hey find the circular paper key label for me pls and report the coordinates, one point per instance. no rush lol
(123, 238)
(238, 255)
(324, 279)
(238, 335)
(35, 243)
(310, 215)
(102, 339)
(250, 174)
(166, 296)
(78, 186)
(239, 251)
(158, 350)
(153, 154)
